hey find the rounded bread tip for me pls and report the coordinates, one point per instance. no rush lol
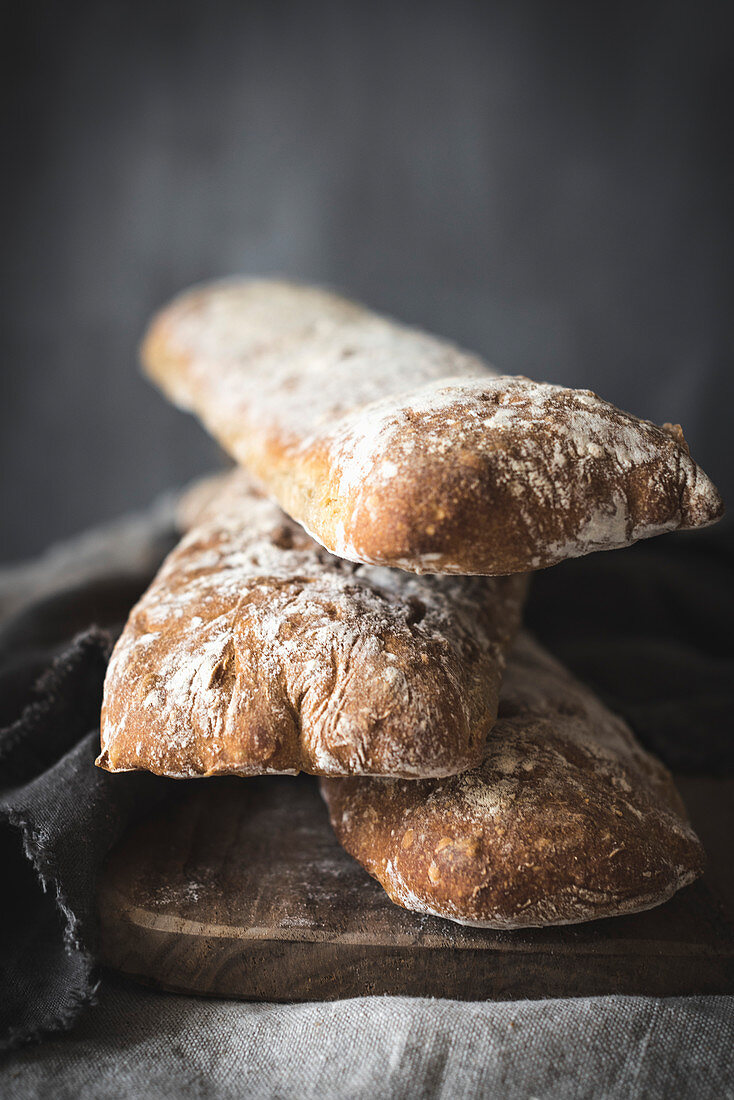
(709, 505)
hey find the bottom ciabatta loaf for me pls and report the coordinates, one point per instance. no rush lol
(567, 819)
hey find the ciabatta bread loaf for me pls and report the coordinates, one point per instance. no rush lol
(392, 447)
(566, 819)
(256, 651)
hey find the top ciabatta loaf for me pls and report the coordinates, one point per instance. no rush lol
(392, 447)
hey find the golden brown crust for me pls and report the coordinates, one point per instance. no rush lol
(256, 651)
(567, 819)
(392, 447)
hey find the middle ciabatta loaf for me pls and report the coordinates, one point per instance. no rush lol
(392, 447)
(255, 651)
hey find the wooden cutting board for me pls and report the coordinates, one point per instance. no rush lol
(239, 889)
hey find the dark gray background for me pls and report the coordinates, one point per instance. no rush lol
(548, 183)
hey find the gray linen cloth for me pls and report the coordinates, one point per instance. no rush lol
(137, 1043)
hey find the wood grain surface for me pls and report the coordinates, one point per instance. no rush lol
(239, 889)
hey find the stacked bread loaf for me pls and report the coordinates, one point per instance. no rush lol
(348, 603)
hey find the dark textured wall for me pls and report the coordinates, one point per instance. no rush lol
(548, 183)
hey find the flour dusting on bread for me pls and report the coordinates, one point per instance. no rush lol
(554, 453)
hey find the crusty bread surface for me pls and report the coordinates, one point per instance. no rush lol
(392, 447)
(566, 819)
(255, 651)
